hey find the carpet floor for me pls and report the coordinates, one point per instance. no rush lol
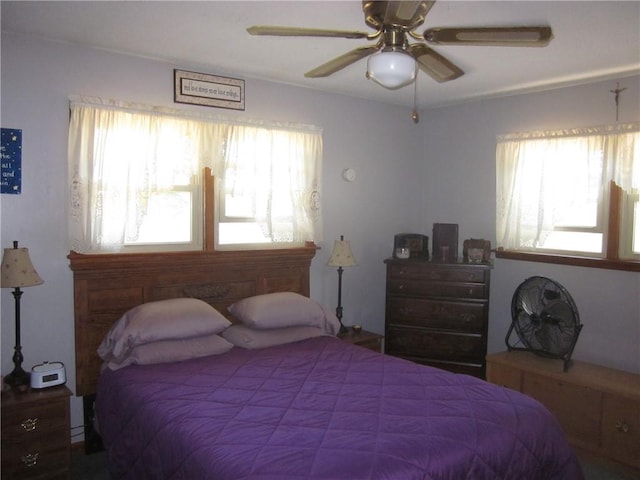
(93, 467)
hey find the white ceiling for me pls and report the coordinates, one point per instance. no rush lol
(592, 41)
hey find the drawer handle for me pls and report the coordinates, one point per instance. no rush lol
(30, 424)
(622, 426)
(30, 460)
(466, 317)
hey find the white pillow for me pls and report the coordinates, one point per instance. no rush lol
(245, 337)
(277, 310)
(166, 351)
(162, 320)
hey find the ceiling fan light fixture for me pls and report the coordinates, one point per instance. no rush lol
(392, 68)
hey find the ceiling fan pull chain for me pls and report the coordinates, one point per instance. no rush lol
(414, 115)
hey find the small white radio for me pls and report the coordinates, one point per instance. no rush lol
(48, 375)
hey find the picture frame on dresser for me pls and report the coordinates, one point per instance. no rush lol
(445, 242)
(476, 250)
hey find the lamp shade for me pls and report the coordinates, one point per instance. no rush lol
(391, 68)
(341, 255)
(17, 269)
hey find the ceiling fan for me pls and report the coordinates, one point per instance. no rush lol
(393, 60)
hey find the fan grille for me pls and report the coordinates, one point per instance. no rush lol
(545, 318)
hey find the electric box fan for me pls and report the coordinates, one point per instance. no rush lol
(545, 319)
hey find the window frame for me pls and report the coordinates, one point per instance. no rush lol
(611, 261)
(617, 208)
(630, 205)
(196, 243)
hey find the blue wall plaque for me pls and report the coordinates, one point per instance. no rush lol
(11, 155)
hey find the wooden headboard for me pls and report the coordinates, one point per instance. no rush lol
(106, 286)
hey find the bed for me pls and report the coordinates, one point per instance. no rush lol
(312, 408)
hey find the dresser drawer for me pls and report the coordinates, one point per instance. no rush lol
(458, 316)
(54, 438)
(577, 408)
(33, 420)
(436, 273)
(435, 345)
(45, 458)
(504, 376)
(478, 291)
(621, 429)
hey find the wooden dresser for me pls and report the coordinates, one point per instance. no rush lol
(437, 314)
(36, 442)
(598, 407)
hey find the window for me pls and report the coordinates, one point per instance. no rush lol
(572, 193)
(137, 180)
(260, 199)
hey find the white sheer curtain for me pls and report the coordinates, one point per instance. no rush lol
(286, 190)
(119, 153)
(535, 170)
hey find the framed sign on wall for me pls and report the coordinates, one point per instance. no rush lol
(208, 90)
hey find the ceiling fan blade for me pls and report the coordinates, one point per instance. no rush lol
(434, 64)
(338, 63)
(303, 32)
(406, 14)
(491, 36)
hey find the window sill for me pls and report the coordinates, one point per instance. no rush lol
(626, 265)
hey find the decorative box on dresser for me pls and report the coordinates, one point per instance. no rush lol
(598, 407)
(36, 443)
(437, 313)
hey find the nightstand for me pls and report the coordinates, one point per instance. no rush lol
(370, 340)
(36, 442)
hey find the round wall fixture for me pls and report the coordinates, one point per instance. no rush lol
(349, 174)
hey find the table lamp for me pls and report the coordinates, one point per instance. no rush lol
(17, 271)
(341, 256)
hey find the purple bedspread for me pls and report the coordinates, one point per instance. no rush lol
(322, 409)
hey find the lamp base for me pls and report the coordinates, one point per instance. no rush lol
(343, 329)
(17, 377)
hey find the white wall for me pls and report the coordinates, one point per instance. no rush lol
(379, 141)
(408, 177)
(459, 176)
